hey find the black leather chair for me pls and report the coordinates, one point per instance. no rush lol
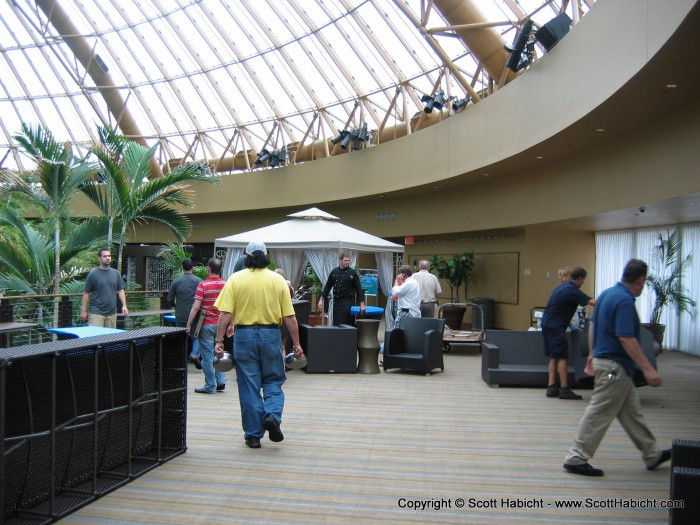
(329, 349)
(417, 345)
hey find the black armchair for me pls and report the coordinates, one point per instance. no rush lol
(417, 345)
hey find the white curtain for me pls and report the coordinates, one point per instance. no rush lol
(615, 248)
(385, 267)
(232, 255)
(293, 262)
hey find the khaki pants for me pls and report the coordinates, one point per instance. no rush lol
(108, 321)
(427, 309)
(612, 398)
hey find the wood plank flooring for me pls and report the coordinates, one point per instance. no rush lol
(369, 448)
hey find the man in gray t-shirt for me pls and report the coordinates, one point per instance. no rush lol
(181, 294)
(102, 286)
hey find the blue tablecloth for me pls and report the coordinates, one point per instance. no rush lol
(372, 312)
(78, 332)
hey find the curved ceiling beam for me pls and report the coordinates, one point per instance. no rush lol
(484, 42)
(97, 70)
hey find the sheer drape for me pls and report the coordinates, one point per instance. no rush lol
(385, 266)
(293, 262)
(615, 248)
(232, 255)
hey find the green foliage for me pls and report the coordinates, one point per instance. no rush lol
(456, 271)
(173, 254)
(27, 260)
(665, 277)
(127, 195)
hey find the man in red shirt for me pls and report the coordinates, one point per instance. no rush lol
(204, 298)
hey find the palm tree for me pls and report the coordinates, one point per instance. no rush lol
(59, 177)
(126, 196)
(27, 257)
(666, 275)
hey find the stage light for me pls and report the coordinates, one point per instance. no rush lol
(519, 58)
(553, 31)
(433, 102)
(278, 157)
(339, 138)
(460, 104)
(262, 157)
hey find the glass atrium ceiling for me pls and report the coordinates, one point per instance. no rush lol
(212, 79)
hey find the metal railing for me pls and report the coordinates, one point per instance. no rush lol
(39, 309)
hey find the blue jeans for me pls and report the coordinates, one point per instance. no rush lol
(193, 344)
(212, 378)
(259, 365)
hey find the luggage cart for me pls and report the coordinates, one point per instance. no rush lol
(536, 316)
(462, 336)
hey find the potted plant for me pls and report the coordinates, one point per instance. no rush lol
(456, 271)
(665, 277)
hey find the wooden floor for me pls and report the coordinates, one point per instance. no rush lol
(362, 448)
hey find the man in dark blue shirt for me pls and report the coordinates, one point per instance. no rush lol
(557, 315)
(613, 337)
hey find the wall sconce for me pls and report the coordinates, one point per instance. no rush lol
(433, 101)
(519, 57)
(386, 216)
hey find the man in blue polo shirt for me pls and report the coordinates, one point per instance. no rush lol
(557, 315)
(613, 337)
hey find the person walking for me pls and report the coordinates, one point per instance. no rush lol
(430, 289)
(257, 300)
(557, 315)
(181, 295)
(204, 297)
(102, 286)
(615, 353)
(345, 284)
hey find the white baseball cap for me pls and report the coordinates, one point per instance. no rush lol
(255, 246)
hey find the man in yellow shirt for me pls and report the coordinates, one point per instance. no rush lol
(258, 301)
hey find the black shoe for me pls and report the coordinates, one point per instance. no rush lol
(272, 426)
(196, 361)
(663, 458)
(552, 391)
(584, 469)
(567, 393)
(202, 391)
(253, 442)
(221, 388)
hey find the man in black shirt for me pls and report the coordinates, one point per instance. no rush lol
(346, 288)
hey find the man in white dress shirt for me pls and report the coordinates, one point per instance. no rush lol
(430, 289)
(407, 290)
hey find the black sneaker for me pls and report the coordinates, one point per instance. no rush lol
(221, 388)
(272, 426)
(196, 361)
(567, 393)
(253, 442)
(552, 391)
(663, 458)
(584, 469)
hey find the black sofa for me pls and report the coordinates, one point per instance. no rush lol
(516, 358)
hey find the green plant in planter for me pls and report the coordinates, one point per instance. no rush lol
(665, 275)
(456, 271)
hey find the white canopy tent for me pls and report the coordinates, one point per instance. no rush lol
(316, 237)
